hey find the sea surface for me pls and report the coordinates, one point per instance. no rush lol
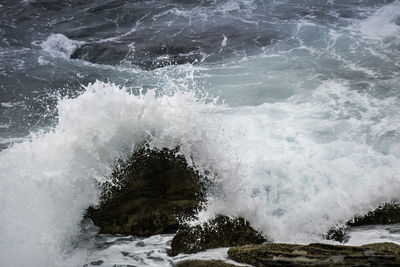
(292, 108)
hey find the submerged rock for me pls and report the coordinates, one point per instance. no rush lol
(101, 53)
(219, 232)
(149, 193)
(275, 254)
(146, 58)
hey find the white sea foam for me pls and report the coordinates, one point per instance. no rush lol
(374, 234)
(151, 251)
(293, 169)
(48, 182)
(124, 251)
(59, 45)
(384, 23)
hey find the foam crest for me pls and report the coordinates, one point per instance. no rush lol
(59, 45)
(384, 23)
(297, 168)
(294, 169)
(48, 182)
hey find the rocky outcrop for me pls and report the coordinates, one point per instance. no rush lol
(149, 193)
(275, 254)
(219, 232)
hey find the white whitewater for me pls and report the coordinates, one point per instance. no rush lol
(293, 169)
(48, 182)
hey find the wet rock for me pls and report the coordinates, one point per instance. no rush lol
(384, 247)
(337, 234)
(147, 58)
(99, 262)
(150, 193)
(204, 263)
(275, 254)
(101, 53)
(219, 232)
(388, 213)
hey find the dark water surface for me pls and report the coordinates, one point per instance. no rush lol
(122, 38)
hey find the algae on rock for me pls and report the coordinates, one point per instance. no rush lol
(149, 193)
(219, 232)
(387, 213)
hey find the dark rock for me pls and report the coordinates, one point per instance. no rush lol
(219, 232)
(99, 262)
(274, 254)
(101, 53)
(149, 194)
(147, 58)
(387, 213)
(337, 234)
(203, 263)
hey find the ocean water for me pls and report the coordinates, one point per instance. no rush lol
(291, 107)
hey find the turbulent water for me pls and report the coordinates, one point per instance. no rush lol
(292, 106)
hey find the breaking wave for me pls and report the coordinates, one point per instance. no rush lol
(294, 169)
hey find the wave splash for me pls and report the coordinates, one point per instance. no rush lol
(49, 181)
(384, 24)
(294, 169)
(59, 45)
